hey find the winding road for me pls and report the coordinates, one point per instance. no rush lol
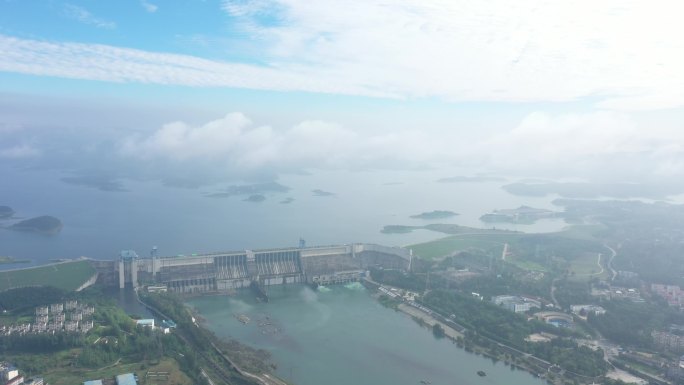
(613, 253)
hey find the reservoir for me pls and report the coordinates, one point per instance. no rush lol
(341, 335)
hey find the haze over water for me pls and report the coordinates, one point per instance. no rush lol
(98, 224)
(343, 336)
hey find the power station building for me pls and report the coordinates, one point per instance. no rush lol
(232, 270)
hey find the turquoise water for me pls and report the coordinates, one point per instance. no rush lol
(343, 336)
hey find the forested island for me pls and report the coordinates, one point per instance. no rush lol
(436, 214)
(594, 190)
(446, 228)
(322, 193)
(7, 260)
(6, 212)
(249, 189)
(470, 179)
(255, 198)
(44, 225)
(521, 215)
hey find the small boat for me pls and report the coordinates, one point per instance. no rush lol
(481, 373)
(425, 382)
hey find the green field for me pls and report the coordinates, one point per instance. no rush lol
(67, 276)
(59, 369)
(493, 243)
(585, 267)
(526, 264)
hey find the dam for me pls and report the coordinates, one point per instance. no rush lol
(225, 271)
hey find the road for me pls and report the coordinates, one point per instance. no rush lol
(553, 291)
(613, 253)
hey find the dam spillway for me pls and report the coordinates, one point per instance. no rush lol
(225, 271)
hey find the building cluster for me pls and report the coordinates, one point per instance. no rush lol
(121, 379)
(673, 294)
(584, 310)
(611, 292)
(166, 325)
(69, 316)
(515, 303)
(398, 293)
(9, 375)
(668, 340)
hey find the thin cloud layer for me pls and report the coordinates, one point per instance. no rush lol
(454, 50)
(84, 16)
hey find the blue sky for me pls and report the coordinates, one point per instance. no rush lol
(512, 87)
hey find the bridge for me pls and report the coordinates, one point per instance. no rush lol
(225, 271)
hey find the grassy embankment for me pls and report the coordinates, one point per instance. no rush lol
(576, 247)
(66, 276)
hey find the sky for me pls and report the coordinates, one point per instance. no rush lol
(201, 92)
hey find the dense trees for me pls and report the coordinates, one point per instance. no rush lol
(29, 297)
(631, 323)
(491, 321)
(40, 343)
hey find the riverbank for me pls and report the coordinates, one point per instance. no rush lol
(428, 320)
(472, 342)
(342, 335)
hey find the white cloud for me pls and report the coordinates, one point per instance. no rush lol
(149, 7)
(622, 54)
(246, 7)
(590, 145)
(599, 144)
(235, 142)
(84, 16)
(19, 152)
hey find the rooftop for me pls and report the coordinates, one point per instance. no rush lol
(126, 379)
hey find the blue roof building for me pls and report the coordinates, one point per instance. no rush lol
(168, 324)
(93, 382)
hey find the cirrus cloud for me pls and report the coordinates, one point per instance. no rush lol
(455, 50)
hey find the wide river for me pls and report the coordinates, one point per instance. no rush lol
(343, 336)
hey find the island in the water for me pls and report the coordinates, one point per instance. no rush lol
(255, 198)
(44, 225)
(471, 179)
(249, 189)
(446, 228)
(7, 260)
(522, 215)
(436, 214)
(6, 212)
(100, 182)
(322, 193)
(586, 190)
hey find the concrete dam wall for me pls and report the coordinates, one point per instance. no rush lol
(216, 272)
